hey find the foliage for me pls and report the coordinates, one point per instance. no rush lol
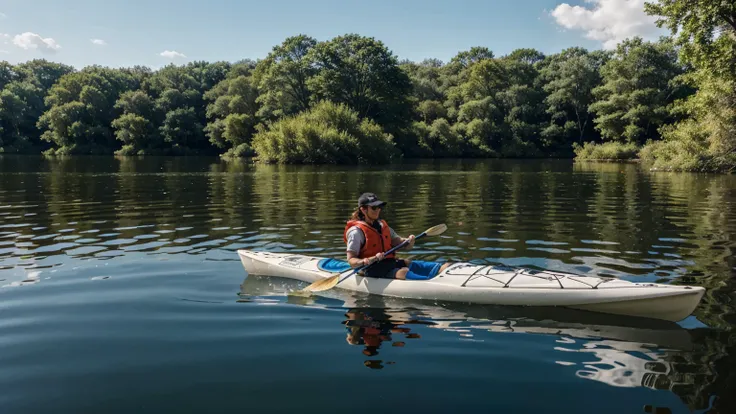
(232, 113)
(705, 29)
(607, 151)
(523, 104)
(706, 141)
(82, 109)
(632, 103)
(705, 138)
(135, 126)
(569, 80)
(327, 133)
(22, 92)
(363, 74)
(282, 78)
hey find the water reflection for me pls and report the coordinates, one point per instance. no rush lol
(618, 351)
(370, 328)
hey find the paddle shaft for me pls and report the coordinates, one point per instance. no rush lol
(393, 249)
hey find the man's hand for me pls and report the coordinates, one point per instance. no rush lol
(368, 260)
(411, 240)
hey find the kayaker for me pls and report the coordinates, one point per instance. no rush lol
(367, 236)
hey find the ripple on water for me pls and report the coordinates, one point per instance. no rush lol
(130, 271)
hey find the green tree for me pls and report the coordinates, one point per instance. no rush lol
(467, 58)
(443, 140)
(179, 106)
(139, 73)
(232, 113)
(569, 79)
(182, 130)
(523, 103)
(363, 74)
(431, 110)
(42, 73)
(456, 73)
(428, 79)
(22, 92)
(632, 103)
(704, 29)
(326, 133)
(21, 103)
(706, 139)
(282, 78)
(81, 108)
(500, 104)
(7, 74)
(135, 127)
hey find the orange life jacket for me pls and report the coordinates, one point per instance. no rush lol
(375, 242)
(372, 337)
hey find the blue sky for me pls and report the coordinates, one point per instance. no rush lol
(136, 32)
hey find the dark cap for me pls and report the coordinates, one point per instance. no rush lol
(370, 199)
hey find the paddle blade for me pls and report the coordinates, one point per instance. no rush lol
(436, 230)
(322, 284)
(303, 293)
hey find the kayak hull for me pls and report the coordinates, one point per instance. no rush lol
(496, 285)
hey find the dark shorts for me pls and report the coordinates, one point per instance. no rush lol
(418, 270)
(385, 269)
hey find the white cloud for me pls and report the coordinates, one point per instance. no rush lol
(98, 42)
(172, 54)
(3, 15)
(608, 21)
(30, 40)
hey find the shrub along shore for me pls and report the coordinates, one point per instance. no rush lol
(670, 103)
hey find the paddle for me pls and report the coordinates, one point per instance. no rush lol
(330, 282)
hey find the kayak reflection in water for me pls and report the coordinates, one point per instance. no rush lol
(367, 236)
(372, 327)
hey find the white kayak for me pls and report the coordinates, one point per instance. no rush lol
(494, 285)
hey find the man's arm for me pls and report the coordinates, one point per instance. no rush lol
(396, 240)
(355, 242)
(354, 260)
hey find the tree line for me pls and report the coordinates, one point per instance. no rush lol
(349, 99)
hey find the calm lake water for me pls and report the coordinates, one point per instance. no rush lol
(121, 289)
